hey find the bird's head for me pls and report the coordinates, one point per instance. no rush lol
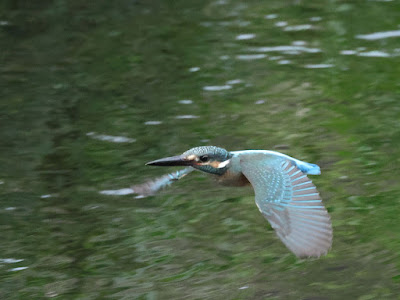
(208, 159)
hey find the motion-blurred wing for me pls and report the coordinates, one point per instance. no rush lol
(152, 186)
(290, 202)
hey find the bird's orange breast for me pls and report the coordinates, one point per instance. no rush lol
(232, 179)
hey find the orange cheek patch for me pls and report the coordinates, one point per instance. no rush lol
(214, 164)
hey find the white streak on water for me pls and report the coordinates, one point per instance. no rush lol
(271, 16)
(286, 48)
(152, 123)
(186, 117)
(10, 208)
(298, 27)
(292, 52)
(186, 101)
(374, 53)
(299, 43)
(379, 35)
(213, 88)
(284, 62)
(110, 138)
(250, 56)
(315, 19)
(275, 57)
(45, 196)
(234, 81)
(18, 269)
(10, 260)
(318, 66)
(247, 36)
(239, 23)
(119, 192)
(348, 52)
(194, 69)
(281, 24)
(259, 102)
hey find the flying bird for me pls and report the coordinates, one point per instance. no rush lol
(283, 193)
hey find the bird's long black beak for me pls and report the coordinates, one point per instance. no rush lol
(171, 161)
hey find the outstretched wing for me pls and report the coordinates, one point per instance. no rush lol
(290, 202)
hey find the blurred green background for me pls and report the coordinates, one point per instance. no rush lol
(91, 90)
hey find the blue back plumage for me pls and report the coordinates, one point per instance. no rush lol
(305, 167)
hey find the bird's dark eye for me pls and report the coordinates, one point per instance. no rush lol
(204, 158)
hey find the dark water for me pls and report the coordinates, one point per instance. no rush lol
(90, 91)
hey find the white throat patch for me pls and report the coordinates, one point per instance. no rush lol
(223, 164)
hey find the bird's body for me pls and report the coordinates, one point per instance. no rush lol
(284, 194)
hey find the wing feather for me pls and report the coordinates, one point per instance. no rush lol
(290, 202)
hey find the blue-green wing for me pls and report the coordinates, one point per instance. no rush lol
(290, 202)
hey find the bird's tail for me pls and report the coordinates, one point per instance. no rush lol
(308, 168)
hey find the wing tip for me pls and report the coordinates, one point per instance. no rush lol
(309, 239)
(314, 253)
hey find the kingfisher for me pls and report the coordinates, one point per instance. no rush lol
(284, 194)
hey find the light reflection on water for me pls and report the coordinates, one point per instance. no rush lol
(379, 35)
(153, 122)
(194, 69)
(250, 56)
(298, 49)
(214, 88)
(284, 62)
(298, 27)
(245, 36)
(234, 81)
(186, 101)
(348, 52)
(281, 24)
(372, 53)
(110, 138)
(315, 19)
(10, 260)
(299, 43)
(17, 269)
(318, 66)
(186, 117)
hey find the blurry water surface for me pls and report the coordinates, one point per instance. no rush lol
(90, 91)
